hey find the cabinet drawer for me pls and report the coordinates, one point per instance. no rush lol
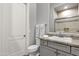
(59, 46)
(60, 53)
(75, 51)
(43, 42)
(46, 51)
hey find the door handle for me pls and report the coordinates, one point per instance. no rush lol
(24, 35)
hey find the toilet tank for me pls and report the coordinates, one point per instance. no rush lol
(39, 32)
(38, 41)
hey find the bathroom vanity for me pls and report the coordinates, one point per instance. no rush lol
(49, 47)
(63, 25)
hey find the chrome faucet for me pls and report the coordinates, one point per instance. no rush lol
(60, 34)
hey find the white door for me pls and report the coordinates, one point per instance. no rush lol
(12, 29)
(16, 43)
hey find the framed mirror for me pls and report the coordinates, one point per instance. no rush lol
(65, 17)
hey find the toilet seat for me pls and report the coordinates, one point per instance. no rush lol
(33, 48)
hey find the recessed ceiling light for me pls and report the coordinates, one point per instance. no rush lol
(65, 7)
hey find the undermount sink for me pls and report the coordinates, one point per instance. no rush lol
(61, 39)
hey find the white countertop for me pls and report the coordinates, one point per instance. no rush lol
(74, 42)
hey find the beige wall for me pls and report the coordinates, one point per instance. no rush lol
(53, 15)
(43, 14)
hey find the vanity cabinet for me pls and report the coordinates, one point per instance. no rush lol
(50, 48)
(60, 53)
(59, 46)
(75, 51)
(46, 51)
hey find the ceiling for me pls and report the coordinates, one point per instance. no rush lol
(61, 6)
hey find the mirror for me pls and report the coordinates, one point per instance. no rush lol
(64, 17)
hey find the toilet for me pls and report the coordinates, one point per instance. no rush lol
(33, 50)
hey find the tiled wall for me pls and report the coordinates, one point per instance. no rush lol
(73, 26)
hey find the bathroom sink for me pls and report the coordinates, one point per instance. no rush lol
(60, 39)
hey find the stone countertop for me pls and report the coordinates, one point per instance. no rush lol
(74, 43)
(66, 34)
